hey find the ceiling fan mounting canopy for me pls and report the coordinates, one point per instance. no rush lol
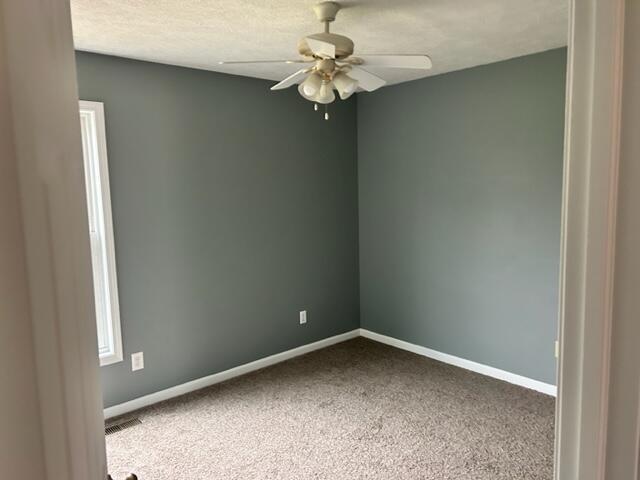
(326, 11)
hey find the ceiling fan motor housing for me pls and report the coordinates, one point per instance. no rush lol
(344, 45)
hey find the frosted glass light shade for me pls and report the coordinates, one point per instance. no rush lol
(325, 94)
(345, 85)
(311, 85)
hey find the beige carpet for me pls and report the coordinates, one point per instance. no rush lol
(357, 410)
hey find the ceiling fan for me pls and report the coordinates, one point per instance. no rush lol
(334, 67)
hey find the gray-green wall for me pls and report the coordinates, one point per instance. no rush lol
(460, 181)
(234, 208)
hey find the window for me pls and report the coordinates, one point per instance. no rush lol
(103, 261)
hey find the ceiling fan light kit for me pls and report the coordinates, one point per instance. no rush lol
(334, 67)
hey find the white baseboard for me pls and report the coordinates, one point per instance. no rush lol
(462, 363)
(203, 382)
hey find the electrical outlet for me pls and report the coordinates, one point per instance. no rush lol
(303, 317)
(137, 361)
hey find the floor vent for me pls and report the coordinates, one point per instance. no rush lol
(121, 425)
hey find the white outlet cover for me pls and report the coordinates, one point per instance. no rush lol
(303, 317)
(137, 361)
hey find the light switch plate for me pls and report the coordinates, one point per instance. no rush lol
(303, 317)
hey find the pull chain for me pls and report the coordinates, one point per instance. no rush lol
(326, 110)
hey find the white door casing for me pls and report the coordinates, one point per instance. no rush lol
(40, 67)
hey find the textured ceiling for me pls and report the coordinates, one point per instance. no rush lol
(199, 33)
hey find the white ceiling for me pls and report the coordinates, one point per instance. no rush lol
(198, 33)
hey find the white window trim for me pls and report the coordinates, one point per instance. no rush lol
(93, 112)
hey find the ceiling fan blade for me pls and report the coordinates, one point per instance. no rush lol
(418, 62)
(367, 81)
(263, 61)
(291, 79)
(320, 47)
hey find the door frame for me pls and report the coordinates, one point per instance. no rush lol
(590, 190)
(42, 106)
(40, 64)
